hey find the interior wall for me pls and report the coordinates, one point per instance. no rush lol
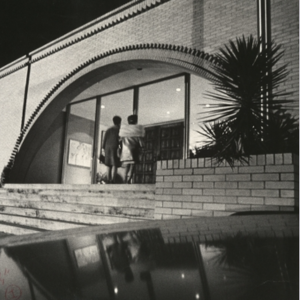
(79, 129)
(46, 164)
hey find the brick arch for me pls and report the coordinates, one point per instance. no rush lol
(100, 67)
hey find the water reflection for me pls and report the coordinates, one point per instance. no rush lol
(247, 267)
(140, 265)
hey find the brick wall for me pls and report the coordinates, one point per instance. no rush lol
(189, 23)
(11, 107)
(285, 31)
(224, 20)
(196, 187)
(204, 25)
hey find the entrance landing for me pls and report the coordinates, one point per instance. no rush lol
(29, 208)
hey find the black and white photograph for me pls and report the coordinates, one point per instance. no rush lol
(149, 149)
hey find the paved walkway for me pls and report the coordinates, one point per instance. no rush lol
(198, 229)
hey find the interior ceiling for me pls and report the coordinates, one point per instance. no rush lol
(128, 74)
(139, 73)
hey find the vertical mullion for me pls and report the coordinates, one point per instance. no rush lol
(63, 176)
(259, 20)
(136, 95)
(96, 139)
(268, 20)
(268, 42)
(186, 132)
(264, 34)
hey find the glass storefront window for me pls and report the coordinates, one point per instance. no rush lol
(199, 107)
(162, 102)
(161, 111)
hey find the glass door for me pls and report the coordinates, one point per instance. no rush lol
(161, 110)
(119, 104)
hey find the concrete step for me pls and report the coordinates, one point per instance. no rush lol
(36, 208)
(80, 187)
(54, 220)
(51, 193)
(36, 223)
(16, 229)
(29, 208)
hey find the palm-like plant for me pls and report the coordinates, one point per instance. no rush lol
(246, 99)
(217, 135)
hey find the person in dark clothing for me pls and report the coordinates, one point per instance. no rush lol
(110, 146)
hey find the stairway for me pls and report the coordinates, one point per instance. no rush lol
(29, 208)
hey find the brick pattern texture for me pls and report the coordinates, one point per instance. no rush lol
(285, 31)
(204, 25)
(197, 187)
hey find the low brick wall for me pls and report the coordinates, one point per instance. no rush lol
(197, 187)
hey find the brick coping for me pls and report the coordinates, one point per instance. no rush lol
(95, 187)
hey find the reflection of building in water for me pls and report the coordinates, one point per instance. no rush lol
(58, 269)
(97, 267)
(159, 70)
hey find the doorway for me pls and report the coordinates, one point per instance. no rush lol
(161, 109)
(162, 142)
(160, 106)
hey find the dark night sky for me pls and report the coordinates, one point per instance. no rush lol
(26, 25)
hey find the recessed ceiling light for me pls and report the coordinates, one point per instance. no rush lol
(168, 112)
(207, 105)
(178, 89)
(102, 106)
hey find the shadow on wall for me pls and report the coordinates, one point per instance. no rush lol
(44, 162)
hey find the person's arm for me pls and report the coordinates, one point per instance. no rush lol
(102, 151)
(104, 140)
(142, 142)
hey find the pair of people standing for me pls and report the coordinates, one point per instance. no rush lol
(130, 137)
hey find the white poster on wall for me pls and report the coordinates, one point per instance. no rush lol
(79, 154)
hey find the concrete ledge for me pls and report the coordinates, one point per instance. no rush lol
(85, 187)
(198, 229)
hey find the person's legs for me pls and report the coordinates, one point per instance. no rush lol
(108, 171)
(114, 173)
(127, 168)
(130, 173)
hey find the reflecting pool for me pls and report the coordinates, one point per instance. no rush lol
(140, 265)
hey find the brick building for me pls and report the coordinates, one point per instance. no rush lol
(148, 57)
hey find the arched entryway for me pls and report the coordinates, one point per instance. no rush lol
(118, 73)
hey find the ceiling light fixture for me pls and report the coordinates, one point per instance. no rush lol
(178, 89)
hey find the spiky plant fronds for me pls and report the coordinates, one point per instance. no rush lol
(245, 98)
